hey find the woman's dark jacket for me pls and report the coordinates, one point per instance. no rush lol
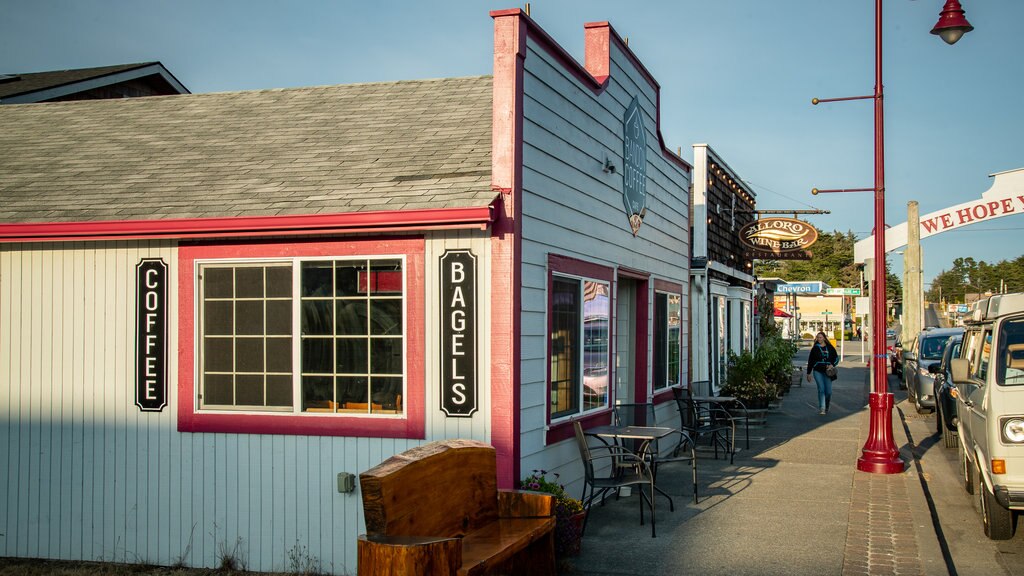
(818, 361)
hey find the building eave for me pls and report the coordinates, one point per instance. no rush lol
(479, 217)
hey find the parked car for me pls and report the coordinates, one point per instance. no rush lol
(925, 350)
(896, 360)
(890, 334)
(989, 377)
(945, 393)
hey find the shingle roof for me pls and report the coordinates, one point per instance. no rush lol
(320, 150)
(33, 81)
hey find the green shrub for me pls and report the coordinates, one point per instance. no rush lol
(761, 375)
(745, 379)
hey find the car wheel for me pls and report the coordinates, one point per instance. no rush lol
(968, 471)
(998, 521)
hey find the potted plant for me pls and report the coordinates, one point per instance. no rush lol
(569, 513)
(745, 380)
(775, 354)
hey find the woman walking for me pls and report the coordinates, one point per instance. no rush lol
(823, 354)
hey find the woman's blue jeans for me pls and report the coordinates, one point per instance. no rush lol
(824, 389)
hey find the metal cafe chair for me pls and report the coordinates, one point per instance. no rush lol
(678, 447)
(701, 419)
(638, 473)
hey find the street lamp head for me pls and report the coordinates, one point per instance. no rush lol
(952, 24)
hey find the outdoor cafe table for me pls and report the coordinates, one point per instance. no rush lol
(725, 402)
(643, 434)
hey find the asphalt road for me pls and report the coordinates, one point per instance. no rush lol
(958, 512)
(959, 531)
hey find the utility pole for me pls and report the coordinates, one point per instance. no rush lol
(913, 308)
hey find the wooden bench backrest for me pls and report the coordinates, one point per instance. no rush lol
(445, 488)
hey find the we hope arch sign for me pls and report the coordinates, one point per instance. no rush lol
(1004, 198)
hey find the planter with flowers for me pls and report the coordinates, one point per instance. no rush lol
(569, 512)
(746, 381)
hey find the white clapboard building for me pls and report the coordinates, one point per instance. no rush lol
(722, 272)
(215, 307)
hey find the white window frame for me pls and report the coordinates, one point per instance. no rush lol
(296, 335)
(581, 363)
(679, 375)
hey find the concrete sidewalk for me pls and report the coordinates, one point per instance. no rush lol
(794, 503)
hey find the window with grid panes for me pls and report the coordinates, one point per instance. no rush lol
(315, 336)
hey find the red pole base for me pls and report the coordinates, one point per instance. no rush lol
(880, 455)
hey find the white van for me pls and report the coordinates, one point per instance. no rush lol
(989, 378)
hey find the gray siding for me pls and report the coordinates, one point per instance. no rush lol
(85, 475)
(572, 208)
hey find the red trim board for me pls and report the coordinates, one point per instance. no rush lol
(291, 225)
(411, 426)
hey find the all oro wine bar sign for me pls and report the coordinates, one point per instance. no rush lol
(778, 239)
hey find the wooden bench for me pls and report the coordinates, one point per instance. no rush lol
(436, 510)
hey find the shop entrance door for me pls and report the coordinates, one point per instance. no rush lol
(625, 336)
(631, 339)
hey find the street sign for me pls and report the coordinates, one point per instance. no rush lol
(802, 288)
(844, 291)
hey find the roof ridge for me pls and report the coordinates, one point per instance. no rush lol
(347, 85)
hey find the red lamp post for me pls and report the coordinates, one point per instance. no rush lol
(879, 454)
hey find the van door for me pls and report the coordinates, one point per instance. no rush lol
(967, 391)
(982, 393)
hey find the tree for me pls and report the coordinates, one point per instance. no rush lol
(968, 276)
(832, 264)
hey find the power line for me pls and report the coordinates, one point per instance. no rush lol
(766, 189)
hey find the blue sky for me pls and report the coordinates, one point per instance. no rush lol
(736, 74)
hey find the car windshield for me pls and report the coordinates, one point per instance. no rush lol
(931, 348)
(1010, 366)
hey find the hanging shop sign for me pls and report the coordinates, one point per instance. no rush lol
(634, 159)
(151, 335)
(458, 334)
(778, 239)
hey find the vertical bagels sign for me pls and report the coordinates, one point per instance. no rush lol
(778, 239)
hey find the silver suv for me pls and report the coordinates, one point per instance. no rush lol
(989, 378)
(924, 351)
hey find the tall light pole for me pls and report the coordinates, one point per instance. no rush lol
(879, 454)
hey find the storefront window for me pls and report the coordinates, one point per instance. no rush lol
(667, 336)
(351, 346)
(580, 317)
(745, 345)
(720, 335)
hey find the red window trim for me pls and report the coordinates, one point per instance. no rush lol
(576, 267)
(570, 266)
(412, 425)
(667, 286)
(662, 396)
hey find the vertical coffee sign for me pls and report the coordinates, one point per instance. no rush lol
(634, 159)
(458, 333)
(151, 335)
